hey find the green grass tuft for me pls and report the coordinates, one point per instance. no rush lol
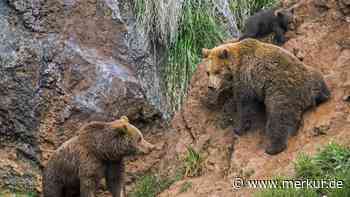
(333, 159)
(331, 163)
(199, 28)
(193, 163)
(306, 167)
(151, 185)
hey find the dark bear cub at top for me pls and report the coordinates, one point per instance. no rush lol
(267, 21)
(262, 73)
(76, 168)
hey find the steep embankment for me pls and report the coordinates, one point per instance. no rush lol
(321, 40)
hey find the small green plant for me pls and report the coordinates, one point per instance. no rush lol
(193, 163)
(334, 158)
(305, 167)
(151, 185)
(31, 194)
(185, 186)
(331, 163)
(147, 186)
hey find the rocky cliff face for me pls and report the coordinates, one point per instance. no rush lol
(62, 64)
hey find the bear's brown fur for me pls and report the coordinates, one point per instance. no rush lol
(96, 152)
(258, 72)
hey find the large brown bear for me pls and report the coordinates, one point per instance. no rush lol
(96, 152)
(258, 72)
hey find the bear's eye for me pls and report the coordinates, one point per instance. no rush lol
(208, 73)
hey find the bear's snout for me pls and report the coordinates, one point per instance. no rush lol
(214, 83)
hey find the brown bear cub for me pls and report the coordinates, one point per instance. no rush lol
(76, 167)
(258, 72)
(267, 21)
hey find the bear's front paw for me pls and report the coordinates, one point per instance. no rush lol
(275, 149)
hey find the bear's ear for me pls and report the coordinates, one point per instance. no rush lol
(278, 13)
(119, 125)
(223, 54)
(124, 118)
(291, 10)
(131, 131)
(205, 52)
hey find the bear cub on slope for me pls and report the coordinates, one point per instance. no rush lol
(96, 152)
(258, 72)
(267, 21)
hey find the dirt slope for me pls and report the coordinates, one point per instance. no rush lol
(322, 40)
